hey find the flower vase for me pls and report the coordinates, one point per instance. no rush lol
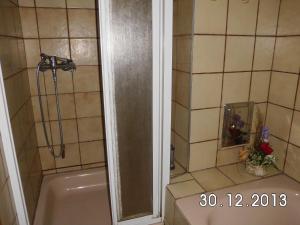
(257, 170)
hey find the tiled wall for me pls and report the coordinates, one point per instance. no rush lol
(182, 45)
(66, 29)
(12, 57)
(283, 114)
(227, 59)
(7, 208)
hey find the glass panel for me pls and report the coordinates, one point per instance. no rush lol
(237, 124)
(131, 23)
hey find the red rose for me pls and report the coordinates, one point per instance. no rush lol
(265, 147)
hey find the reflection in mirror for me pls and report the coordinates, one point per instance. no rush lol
(237, 124)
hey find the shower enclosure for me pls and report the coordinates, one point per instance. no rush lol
(136, 39)
(136, 49)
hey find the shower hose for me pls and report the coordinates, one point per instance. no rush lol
(61, 152)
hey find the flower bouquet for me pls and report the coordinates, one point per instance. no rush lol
(260, 155)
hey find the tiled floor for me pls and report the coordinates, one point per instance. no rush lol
(212, 179)
(185, 184)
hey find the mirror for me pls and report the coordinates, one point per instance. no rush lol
(237, 124)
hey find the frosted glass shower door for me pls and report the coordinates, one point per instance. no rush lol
(134, 92)
(131, 28)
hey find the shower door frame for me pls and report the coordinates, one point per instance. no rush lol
(10, 157)
(162, 23)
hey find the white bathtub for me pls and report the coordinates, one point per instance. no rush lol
(74, 198)
(194, 214)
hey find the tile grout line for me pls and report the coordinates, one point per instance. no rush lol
(291, 125)
(222, 87)
(42, 78)
(73, 86)
(254, 51)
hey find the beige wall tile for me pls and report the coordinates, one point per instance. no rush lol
(58, 47)
(267, 17)
(40, 133)
(280, 82)
(84, 51)
(36, 108)
(179, 170)
(69, 131)
(212, 179)
(203, 155)
(92, 152)
(47, 159)
(295, 131)
(287, 54)
(93, 165)
(239, 58)
(81, 4)
(26, 3)
(174, 83)
(82, 23)
(260, 86)
(210, 16)
(181, 151)
(174, 52)
(169, 207)
(32, 49)
(184, 17)
(7, 213)
(208, 54)
(206, 90)
(297, 104)
(181, 178)
(3, 171)
(88, 104)
(184, 189)
(86, 79)
(183, 88)
(49, 27)
(179, 218)
(237, 173)
(52, 3)
(259, 115)
(280, 148)
(293, 162)
(289, 18)
(29, 22)
(67, 106)
(173, 115)
(279, 121)
(182, 116)
(90, 129)
(183, 53)
(64, 82)
(204, 124)
(33, 82)
(242, 17)
(228, 156)
(263, 56)
(68, 169)
(72, 157)
(236, 87)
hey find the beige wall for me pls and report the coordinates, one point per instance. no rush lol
(283, 116)
(227, 59)
(66, 29)
(7, 207)
(182, 45)
(12, 57)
